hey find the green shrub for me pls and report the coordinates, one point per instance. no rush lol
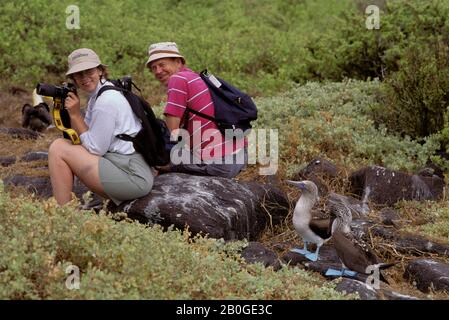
(417, 96)
(123, 260)
(409, 51)
(357, 52)
(333, 120)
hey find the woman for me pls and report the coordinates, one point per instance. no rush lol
(107, 165)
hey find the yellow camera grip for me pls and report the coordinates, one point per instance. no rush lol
(57, 107)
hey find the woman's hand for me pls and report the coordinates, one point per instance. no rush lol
(72, 104)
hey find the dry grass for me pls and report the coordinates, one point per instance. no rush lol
(18, 147)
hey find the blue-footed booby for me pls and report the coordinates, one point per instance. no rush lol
(312, 231)
(354, 254)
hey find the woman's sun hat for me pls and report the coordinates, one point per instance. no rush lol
(83, 59)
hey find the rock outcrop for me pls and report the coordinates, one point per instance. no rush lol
(219, 207)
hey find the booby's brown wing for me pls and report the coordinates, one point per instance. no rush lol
(321, 228)
(370, 255)
(350, 253)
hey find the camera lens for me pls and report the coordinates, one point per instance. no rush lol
(48, 90)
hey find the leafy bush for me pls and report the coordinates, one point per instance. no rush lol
(417, 96)
(358, 52)
(122, 260)
(409, 52)
(333, 121)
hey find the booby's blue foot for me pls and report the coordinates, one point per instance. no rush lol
(349, 273)
(340, 273)
(300, 251)
(312, 256)
(334, 273)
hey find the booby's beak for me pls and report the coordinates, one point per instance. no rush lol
(301, 185)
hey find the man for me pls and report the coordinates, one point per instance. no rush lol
(211, 154)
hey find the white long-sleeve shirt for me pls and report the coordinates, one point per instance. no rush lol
(106, 117)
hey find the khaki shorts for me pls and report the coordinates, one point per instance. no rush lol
(125, 176)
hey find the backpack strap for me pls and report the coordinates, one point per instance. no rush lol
(105, 88)
(121, 136)
(202, 115)
(185, 116)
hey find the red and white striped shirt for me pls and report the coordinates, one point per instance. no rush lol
(186, 88)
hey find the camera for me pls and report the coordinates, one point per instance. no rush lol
(60, 114)
(50, 90)
(126, 83)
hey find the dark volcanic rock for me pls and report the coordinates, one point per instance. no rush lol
(37, 185)
(367, 292)
(35, 155)
(403, 242)
(41, 186)
(7, 161)
(364, 291)
(20, 133)
(390, 217)
(428, 274)
(257, 252)
(393, 295)
(222, 208)
(320, 171)
(386, 187)
(410, 243)
(219, 207)
(320, 167)
(431, 169)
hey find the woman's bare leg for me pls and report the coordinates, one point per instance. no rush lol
(66, 160)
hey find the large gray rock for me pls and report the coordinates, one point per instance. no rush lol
(257, 252)
(35, 156)
(20, 133)
(360, 288)
(7, 161)
(321, 171)
(410, 243)
(37, 185)
(403, 242)
(428, 274)
(390, 217)
(41, 186)
(386, 187)
(219, 207)
(368, 292)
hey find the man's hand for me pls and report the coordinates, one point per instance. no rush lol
(163, 169)
(172, 122)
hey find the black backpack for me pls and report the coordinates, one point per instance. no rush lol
(234, 109)
(150, 141)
